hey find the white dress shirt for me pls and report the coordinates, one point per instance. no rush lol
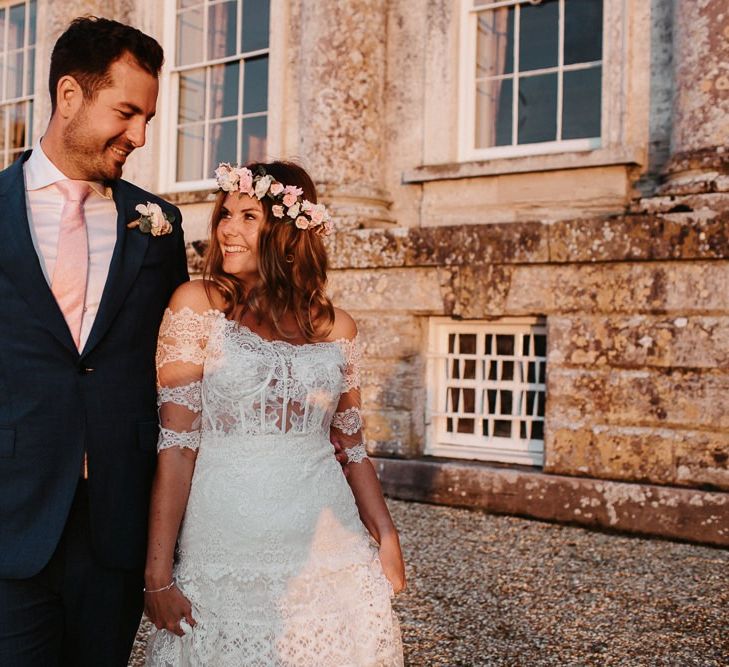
(44, 202)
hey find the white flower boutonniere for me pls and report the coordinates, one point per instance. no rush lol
(153, 220)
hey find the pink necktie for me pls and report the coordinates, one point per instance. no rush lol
(72, 259)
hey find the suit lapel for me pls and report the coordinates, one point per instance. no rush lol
(126, 260)
(19, 258)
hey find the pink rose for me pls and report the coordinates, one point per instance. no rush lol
(246, 181)
(289, 199)
(277, 210)
(317, 214)
(276, 189)
(302, 222)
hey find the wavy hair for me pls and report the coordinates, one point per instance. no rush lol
(292, 265)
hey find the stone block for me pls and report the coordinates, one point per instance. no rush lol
(640, 454)
(391, 383)
(641, 287)
(408, 290)
(389, 335)
(663, 398)
(388, 432)
(641, 237)
(639, 341)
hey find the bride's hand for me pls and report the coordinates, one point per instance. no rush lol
(392, 561)
(167, 608)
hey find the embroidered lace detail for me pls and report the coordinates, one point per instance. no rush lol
(356, 454)
(349, 421)
(184, 439)
(187, 395)
(272, 553)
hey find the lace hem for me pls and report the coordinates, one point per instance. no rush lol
(356, 454)
(348, 421)
(183, 439)
(187, 395)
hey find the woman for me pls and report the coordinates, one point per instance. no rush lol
(257, 371)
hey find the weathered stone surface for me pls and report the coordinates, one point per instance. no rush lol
(390, 335)
(638, 341)
(640, 454)
(641, 237)
(684, 288)
(665, 398)
(481, 291)
(391, 382)
(388, 432)
(677, 513)
(415, 290)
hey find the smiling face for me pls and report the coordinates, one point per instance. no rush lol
(241, 219)
(104, 130)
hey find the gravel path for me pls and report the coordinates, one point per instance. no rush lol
(503, 591)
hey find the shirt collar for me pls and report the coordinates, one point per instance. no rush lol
(40, 172)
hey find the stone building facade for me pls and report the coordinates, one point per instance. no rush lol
(545, 316)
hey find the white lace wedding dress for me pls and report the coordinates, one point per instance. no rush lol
(272, 553)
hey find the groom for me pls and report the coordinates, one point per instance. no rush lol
(82, 297)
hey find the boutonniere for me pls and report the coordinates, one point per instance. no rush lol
(153, 220)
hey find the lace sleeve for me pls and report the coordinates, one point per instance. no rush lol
(347, 423)
(181, 350)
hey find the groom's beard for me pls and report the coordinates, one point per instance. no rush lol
(93, 156)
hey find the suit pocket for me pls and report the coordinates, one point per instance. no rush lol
(7, 443)
(147, 434)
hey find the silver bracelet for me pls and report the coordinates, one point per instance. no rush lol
(159, 590)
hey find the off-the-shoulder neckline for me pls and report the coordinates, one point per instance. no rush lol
(273, 341)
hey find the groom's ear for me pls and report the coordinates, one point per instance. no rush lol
(69, 96)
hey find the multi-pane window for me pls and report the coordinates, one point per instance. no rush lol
(17, 78)
(487, 389)
(220, 78)
(533, 81)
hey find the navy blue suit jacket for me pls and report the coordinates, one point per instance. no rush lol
(56, 403)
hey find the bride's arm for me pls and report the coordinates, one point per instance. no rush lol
(180, 356)
(347, 430)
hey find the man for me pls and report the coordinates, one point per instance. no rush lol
(82, 294)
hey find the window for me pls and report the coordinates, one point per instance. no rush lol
(17, 78)
(219, 85)
(532, 76)
(487, 390)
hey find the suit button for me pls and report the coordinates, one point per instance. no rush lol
(85, 370)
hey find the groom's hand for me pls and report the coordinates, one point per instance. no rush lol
(167, 608)
(340, 455)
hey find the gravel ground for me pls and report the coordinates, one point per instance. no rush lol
(503, 591)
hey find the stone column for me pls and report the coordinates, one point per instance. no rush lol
(343, 51)
(700, 134)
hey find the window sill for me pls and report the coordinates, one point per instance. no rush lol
(190, 197)
(520, 165)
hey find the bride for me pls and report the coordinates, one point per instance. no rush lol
(257, 371)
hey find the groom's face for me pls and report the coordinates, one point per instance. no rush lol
(107, 128)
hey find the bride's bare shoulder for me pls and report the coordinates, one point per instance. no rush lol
(197, 295)
(344, 326)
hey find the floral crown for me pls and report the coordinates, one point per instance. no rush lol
(288, 203)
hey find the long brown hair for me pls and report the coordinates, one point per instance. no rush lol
(292, 265)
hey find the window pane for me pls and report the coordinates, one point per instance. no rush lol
(254, 24)
(14, 81)
(2, 29)
(502, 428)
(223, 141)
(255, 88)
(539, 36)
(495, 43)
(582, 103)
(221, 30)
(190, 153)
(31, 28)
(493, 112)
(467, 343)
(224, 91)
(254, 139)
(538, 108)
(30, 78)
(16, 29)
(17, 125)
(189, 37)
(192, 96)
(582, 31)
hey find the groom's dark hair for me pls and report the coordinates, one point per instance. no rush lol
(88, 48)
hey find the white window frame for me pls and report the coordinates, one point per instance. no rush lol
(467, 150)
(440, 442)
(169, 93)
(27, 99)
